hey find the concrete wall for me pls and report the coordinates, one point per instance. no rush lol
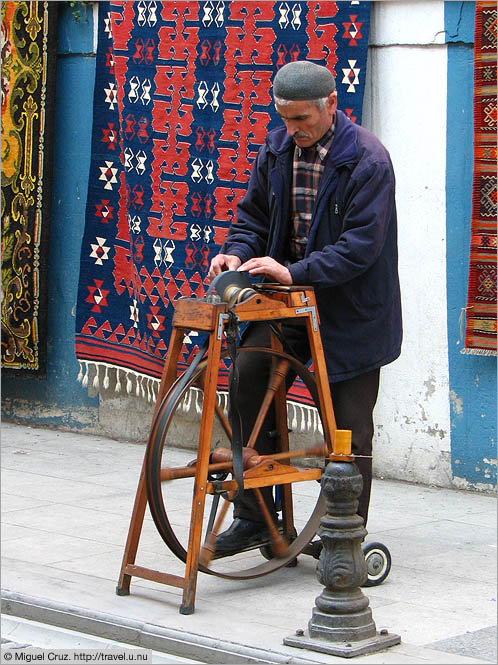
(405, 106)
(436, 412)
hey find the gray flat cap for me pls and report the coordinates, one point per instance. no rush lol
(303, 79)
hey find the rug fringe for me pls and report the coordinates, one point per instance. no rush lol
(126, 380)
(478, 352)
(302, 418)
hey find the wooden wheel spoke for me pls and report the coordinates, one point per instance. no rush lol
(174, 473)
(223, 420)
(208, 548)
(279, 544)
(279, 373)
(218, 410)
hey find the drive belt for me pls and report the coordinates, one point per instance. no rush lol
(235, 419)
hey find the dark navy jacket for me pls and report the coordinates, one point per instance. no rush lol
(351, 257)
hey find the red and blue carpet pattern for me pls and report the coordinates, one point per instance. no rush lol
(480, 331)
(183, 100)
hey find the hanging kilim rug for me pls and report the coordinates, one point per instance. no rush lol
(480, 332)
(28, 77)
(183, 101)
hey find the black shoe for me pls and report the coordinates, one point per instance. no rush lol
(240, 536)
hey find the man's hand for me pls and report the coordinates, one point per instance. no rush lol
(268, 267)
(222, 262)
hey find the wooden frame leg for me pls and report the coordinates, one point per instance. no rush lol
(200, 485)
(131, 547)
(322, 384)
(140, 504)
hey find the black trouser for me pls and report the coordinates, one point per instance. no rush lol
(353, 401)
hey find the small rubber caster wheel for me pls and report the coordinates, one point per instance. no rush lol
(378, 560)
(316, 548)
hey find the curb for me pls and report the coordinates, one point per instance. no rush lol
(137, 633)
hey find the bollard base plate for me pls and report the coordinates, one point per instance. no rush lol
(344, 649)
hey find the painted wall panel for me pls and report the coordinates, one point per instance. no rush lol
(412, 438)
(407, 22)
(405, 106)
(472, 378)
(58, 400)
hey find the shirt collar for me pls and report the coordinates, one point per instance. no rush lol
(322, 146)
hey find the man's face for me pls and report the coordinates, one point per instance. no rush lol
(305, 122)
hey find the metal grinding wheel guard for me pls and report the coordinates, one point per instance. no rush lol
(231, 296)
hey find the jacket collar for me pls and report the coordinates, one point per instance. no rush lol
(344, 148)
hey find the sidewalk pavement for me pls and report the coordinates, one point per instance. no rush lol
(66, 505)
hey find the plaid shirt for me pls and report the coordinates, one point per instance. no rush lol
(307, 171)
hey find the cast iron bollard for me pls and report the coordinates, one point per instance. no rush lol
(341, 623)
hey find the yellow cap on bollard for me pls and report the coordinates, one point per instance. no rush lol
(341, 449)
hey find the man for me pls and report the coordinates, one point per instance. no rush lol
(319, 210)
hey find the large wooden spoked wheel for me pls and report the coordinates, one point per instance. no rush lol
(165, 496)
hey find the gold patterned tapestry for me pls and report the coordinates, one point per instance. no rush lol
(28, 87)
